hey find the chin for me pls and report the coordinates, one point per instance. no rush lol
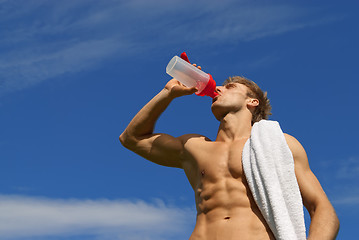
(217, 114)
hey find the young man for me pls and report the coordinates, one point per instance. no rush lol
(225, 206)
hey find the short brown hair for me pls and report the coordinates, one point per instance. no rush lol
(263, 110)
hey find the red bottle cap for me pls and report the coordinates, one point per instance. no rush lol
(210, 89)
(184, 57)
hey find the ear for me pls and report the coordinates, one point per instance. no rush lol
(253, 102)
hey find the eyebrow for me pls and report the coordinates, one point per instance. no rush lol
(230, 84)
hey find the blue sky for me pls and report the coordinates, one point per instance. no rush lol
(74, 73)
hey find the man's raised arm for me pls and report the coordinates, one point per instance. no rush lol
(159, 148)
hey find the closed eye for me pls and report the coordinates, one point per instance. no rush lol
(230, 85)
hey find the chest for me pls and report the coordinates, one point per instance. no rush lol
(217, 160)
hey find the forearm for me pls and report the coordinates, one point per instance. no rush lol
(324, 224)
(144, 121)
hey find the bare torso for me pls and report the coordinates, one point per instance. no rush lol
(225, 207)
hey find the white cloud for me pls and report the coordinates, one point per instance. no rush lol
(341, 169)
(25, 69)
(42, 39)
(348, 169)
(341, 180)
(24, 217)
(346, 200)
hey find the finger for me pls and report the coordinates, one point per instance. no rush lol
(181, 84)
(193, 90)
(190, 91)
(195, 65)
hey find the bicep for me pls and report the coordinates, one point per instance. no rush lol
(162, 149)
(310, 188)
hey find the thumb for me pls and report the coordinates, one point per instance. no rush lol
(192, 90)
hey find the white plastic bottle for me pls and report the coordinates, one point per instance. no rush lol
(191, 76)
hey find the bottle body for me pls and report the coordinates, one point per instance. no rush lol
(187, 74)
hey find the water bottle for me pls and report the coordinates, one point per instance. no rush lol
(191, 76)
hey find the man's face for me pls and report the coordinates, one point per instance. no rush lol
(232, 98)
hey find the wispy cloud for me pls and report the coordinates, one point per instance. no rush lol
(348, 169)
(341, 177)
(41, 39)
(347, 200)
(25, 217)
(19, 71)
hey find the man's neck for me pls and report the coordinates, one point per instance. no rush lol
(235, 126)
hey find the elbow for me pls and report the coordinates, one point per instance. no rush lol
(335, 219)
(122, 138)
(327, 210)
(125, 140)
(337, 223)
(335, 226)
(128, 140)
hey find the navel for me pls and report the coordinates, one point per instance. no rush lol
(202, 173)
(227, 218)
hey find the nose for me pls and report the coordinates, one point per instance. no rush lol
(219, 89)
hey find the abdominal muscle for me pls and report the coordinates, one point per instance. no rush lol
(225, 207)
(226, 211)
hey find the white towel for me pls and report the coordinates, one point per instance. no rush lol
(269, 168)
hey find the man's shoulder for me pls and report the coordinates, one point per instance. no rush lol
(291, 141)
(289, 138)
(294, 145)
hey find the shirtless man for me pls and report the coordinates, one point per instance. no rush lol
(225, 207)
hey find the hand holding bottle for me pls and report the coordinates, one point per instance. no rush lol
(191, 76)
(177, 89)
